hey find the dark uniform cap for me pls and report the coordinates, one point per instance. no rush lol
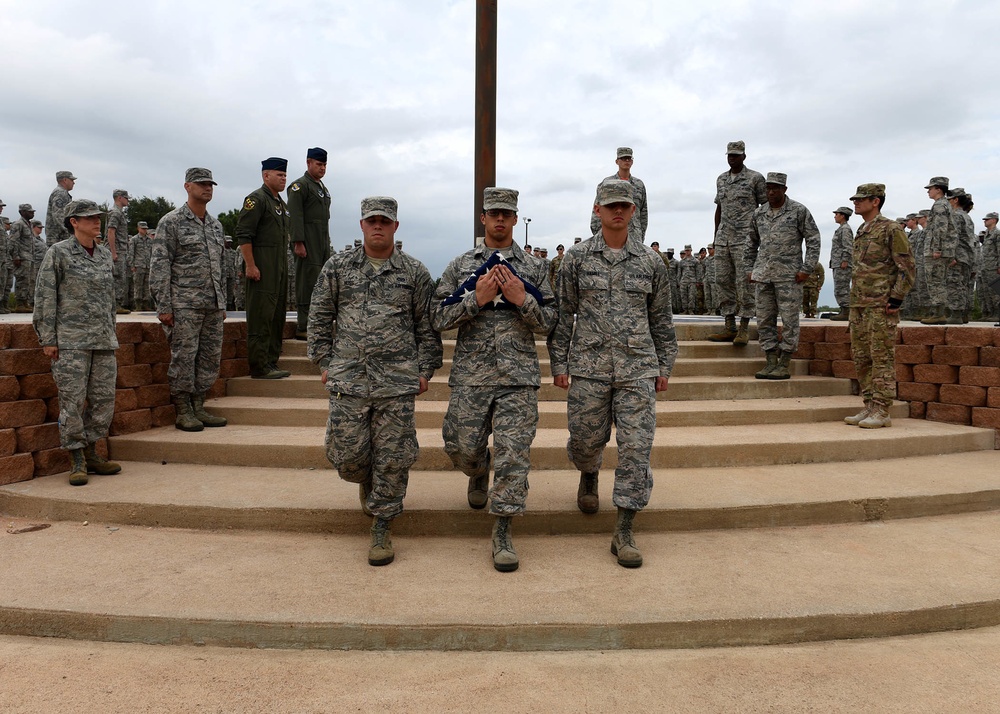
(357, 242)
(317, 153)
(940, 181)
(956, 192)
(120, 192)
(65, 175)
(199, 175)
(614, 191)
(777, 178)
(576, 240)
(624, 152)
(848, 212)
(25, 207)
(399, 244)
(560, 247)
(991, 214)
(379, 206)
(143, 224)
(495, 197)
(274, 164)
(82, 207)
(736, 147)
(869, 190)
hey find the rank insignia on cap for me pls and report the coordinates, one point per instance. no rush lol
(249, 204)
(295, 187)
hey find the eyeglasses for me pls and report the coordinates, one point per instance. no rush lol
(625, 158)
(496, 212)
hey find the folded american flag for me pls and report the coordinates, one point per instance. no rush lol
(498, 303)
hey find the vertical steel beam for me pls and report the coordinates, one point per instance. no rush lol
(486, 104)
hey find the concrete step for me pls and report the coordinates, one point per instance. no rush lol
(681, 388)
(695, 589)
(194, 496)
(753, 445)
(266, 411)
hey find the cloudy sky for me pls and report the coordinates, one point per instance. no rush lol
(834, 93)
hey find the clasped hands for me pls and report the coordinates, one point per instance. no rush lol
(500, 279)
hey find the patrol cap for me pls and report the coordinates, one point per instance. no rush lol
(956, 192)
(317, 154)
(624, 152)
(736, 147)
(120, 192)
(656, 243)
(357, 242)
(399, 244)
(36, 223)
(274, 163)
(669, 251)
(64, 175)
(2, 203)
(848, 212)
(495, 198)
(379, 206)
(25, 207)
(199, 175)
(614, 191)
(911, 216)
(939, 181)
(143, 224)
(577, 240)
(711, 246)
(80, 208)
(6, 221)
(991, 214)
(924, 212)
(777, 178)
(560, 247)
(687, 247)
(869, 190)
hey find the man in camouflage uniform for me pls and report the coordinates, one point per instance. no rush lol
(940, 247)
(673, 274)
(841, 249)
(620, 353)
(810, 290)
(186, 281)
(883, 273)
(55, 231)
(309, 205)
(240, 266)
(688, 277)
(262, 232)
(117, 232)
(21, 247)
(711, 292)
(774, 263)
(229, 274)
(919, 295)
(495, 375)
(913, 238)
(554, 266)
(960, 270)
(140, 249)
(37, 256)
(5, 263)
(637, 226)
(991, 267)
(738, 193)
(370, 333)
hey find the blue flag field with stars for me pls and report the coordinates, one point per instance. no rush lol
(498, 303)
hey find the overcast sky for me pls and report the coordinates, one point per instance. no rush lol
(834, 93)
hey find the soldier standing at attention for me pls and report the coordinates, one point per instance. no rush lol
(811, 289)
(118, 243)
(554, 266)
(74, 319)
(687, 270)
(495, 376)
(637, 226)
(139, 252)
(370, 333)
(186, 281)
(774, 262)
(991, 266)
(309, 204)
(262, 232)
(711, 292)
(5, 264)
(841, 249)
(55, 231)
(21, 246)
(738, 193)
(883, 273)
(940, 246)
(620, 354)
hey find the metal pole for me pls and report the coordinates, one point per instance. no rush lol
(486, 106)
(526, 222)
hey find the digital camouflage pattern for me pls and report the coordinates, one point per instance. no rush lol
(941, 237)
(782, 299)
(55, 231)
(990, 270)
(640, 219)
(117, 220)
(86, 383)
(841, 251)
(738, 196)
(774, 248)
(195, 341)
(140, 253)
(21, 249)
(688, 270)
(883, 267)
(811, 288)
(186, 262)
(708, 279)
(6, 270)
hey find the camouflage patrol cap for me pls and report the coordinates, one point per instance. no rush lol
(65, 175)
(143, 224)
(848, 212)
(939, 181)
(399, 244)
(6, 221)
(378, 206)
(624, 152)
(736, 147)
(576, 240)
(120, 192)
(82, 207)
(869, 190)
(357, 242)
(25, 207)
(924, 212)
(911, 216)
(991, 214)
(199, 175)
(956, 192)
(687, 247)
(614, 191)
(496, 198)
(36, 223)
(2, 204)
(777, 178)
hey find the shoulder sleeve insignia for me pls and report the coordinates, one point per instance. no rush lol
(249, 204)
(295, 187)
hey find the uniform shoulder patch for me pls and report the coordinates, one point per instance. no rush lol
(295, 187)
(249, 204)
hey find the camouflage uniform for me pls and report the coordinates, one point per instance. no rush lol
(939, 236)
(959, 276)
(554, 271)
(623, 339)
(117, 220)
(495, 375)
(711, 292)
(20, 241)
(309, 203)
(640, 219)
(186, 281)
(841, 250)
(916, 300)
(370, 329)
(737, 195)
(229, 271)
(55, 231)
(990, 271)
(140, 250)
(673, 273)
(883, 273)
(240, 267)
(5, 270)
(687, 270)
(75, 311)
(773, 257)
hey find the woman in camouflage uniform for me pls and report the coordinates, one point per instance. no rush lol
(74, 318)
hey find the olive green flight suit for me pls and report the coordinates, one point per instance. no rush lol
(309, 204)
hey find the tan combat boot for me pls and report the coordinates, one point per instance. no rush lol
(504, 555)
(587, 499)
(622, 543)
(780, 370)
(186, 420)
(743, 333)
(772, 363)
(936, 316)
(198, 409)
(860, 416)
(728, 333)
(97, 464)
(877, 418)
(364, 491)
(77, 468)
(380, 552)
(843, 316)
